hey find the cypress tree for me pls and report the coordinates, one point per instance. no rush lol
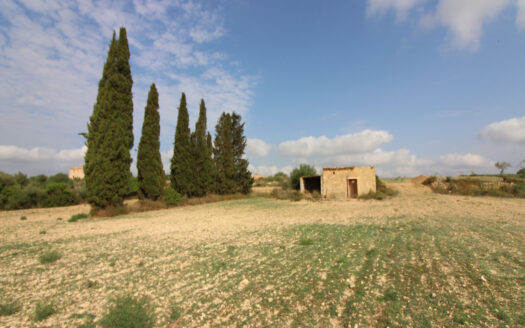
(212, 186)
(110, 131)
(242, 176)
(202, 161)
(181, 162)
(149, 163)
(223, 155)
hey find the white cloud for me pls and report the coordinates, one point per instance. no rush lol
(401, 7)
(268, 170)
(52, 54)
(465, 19)
(520, 19)
(511, 131)
(257, 147)
(8, 152)
(362, 142)
(466, 161)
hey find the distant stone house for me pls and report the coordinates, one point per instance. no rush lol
(76, 173)
(341, 182)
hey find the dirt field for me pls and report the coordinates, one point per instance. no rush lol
(419, 259)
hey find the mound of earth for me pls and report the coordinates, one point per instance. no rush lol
(419, 179)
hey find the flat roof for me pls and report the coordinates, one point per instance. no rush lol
(343, 168)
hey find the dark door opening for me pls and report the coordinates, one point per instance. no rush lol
(312, 184)
(352, 188)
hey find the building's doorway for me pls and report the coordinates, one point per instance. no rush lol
(312, 184)
(351, 188)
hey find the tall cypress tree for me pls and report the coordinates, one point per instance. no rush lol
(202, 161)
(149, 163)
(242, 176)
(181, 174)
(110, 131)
(223, 155)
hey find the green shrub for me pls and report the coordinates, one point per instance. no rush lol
(128, 312)
(43, 232)
(49, 256)
(304, 170)
(77, 217)
(429, 180)
(58, 194)
(43, 310)
(23, 218)
(296, 196)
(9, 308)
(172, 197)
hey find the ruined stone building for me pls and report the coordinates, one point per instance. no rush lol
(341, 182)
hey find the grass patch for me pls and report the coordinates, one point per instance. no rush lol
(175, 312)
(306, 242)
(49, 256)
(9, 308)
(77, 217)
(42, 232)
(129, 312)
(43, 310)
(23, 218)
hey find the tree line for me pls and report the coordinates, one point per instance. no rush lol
(199, 166)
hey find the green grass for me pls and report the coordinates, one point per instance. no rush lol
(23, 218)
(77, 217)
(9, 308)
(129, 312)
(49, 256)
(43, 310)
(370, 275)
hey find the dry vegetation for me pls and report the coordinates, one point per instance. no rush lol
(416, 260)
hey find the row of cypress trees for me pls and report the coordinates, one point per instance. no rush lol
(198, 166)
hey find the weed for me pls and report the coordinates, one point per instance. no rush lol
(49, 256)
(59, 219)
(128, 312)
(23, 218)
(9, 308)
(43, 232)
(43, 310)
(176, 312)
(306, 241)
(77, 217)
(90, 283)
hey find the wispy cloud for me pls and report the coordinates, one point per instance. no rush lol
(464, 19)
(52, 53)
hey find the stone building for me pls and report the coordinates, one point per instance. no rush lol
(76, 172)
(341, 182)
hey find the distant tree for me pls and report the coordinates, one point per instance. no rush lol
(59, 178)
(149, 163)
(203, 166)
(243, 177)
(223, 155)
(232, 168)
(502, 166)
(181, 163)
(304, 170)
(110, 131)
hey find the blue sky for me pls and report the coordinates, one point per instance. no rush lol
(410, 86)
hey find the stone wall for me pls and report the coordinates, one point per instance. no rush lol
(76, 172)
(334, 181)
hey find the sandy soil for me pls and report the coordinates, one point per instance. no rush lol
(210, 221)
(88, 241)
